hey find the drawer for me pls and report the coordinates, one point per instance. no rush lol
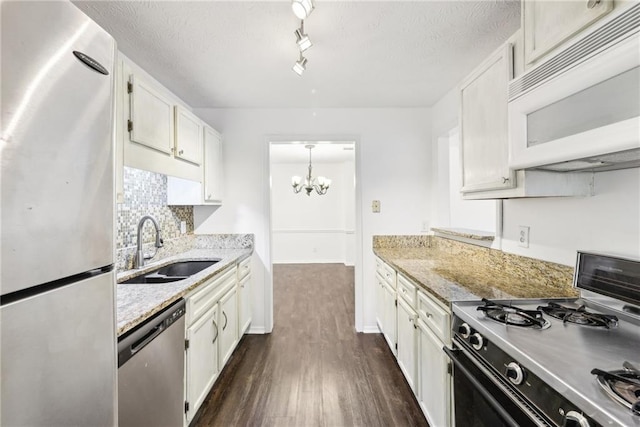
(407, 290)
(437, 318)
(205, 296)
(244, 268)
(386, 272)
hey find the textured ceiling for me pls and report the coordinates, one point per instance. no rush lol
(364, 53)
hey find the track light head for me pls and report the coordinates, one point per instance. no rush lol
(303, 40)
(300, 65)
(302, 8)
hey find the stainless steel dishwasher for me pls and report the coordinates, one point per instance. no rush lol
(151, 371)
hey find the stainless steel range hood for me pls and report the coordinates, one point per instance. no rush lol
(606, 162)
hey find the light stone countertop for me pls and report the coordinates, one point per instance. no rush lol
(136, 302)
(479, 273)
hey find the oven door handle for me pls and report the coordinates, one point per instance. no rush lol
(480, 388)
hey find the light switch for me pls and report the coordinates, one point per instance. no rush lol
(375, 206)
(183, 227)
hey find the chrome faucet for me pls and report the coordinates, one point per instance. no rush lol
(138, 261)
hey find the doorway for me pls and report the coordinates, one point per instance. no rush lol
(313, 224)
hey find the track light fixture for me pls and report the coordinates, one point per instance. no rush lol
(300, 65)
(302, 8)
(303, 40)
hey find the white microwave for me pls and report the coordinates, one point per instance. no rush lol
(580, 109)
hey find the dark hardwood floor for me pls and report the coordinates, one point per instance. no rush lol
(314, 369)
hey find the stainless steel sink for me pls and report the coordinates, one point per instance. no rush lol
(185, 268)
(173, 272)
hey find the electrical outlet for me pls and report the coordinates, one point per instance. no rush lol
(425, 225)
(375, 206)
(523, 236)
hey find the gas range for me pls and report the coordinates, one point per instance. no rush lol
(560, 367)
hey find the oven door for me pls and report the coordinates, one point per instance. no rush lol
(480, 402)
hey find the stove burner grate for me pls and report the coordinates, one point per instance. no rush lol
(579, 316)
(511, 315)
(622, 386)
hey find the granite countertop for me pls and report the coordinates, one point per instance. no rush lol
(136, 302)
(481, 274)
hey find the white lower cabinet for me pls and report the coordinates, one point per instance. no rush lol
(244, 296)
(244, 305)
(228, 324)
(407, 342)
(211, 336)
(202, 359)
(379, 301)
(434, 380)
(389, 316)
(416, 327)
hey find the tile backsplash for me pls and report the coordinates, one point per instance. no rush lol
(145, 193)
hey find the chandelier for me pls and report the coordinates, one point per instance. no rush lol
(320, 184)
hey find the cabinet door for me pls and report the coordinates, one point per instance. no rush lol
(244, 304)
(484, 143)
(434, 381)
(407, 342)
(150, 116)
(389, 317)
(202, 359)
(379, 283)
(549, 23)
(188, 136)
(212, 165)
(228, 321)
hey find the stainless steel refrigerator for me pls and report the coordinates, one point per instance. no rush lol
(57, 315)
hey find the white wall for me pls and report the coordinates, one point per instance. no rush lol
(608, 221)
(312, 229)
(393, 157)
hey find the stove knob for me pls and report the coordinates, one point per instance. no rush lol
(476, 341)
(515, 373)
(575, 419)
(464, 330)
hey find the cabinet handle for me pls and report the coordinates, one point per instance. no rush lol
(209, 196)
(225, 321)
(505, 180)
(592, 3)
(426, 313)
(215, 325)
(181, 152)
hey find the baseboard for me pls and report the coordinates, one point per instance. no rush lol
(371, 330)
(311, 261)
(256, 330)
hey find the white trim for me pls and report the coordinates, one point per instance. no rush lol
(312, 231)
(371, 330)
(255, 330)
(315, 261)
(359, 283)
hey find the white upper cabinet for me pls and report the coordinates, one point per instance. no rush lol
(483, 117)
(547, 24)
(212, 166)
(151, 116)
(485, 143)
(188, 142)
(145, 127)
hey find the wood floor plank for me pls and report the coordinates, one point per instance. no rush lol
(313, 369)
